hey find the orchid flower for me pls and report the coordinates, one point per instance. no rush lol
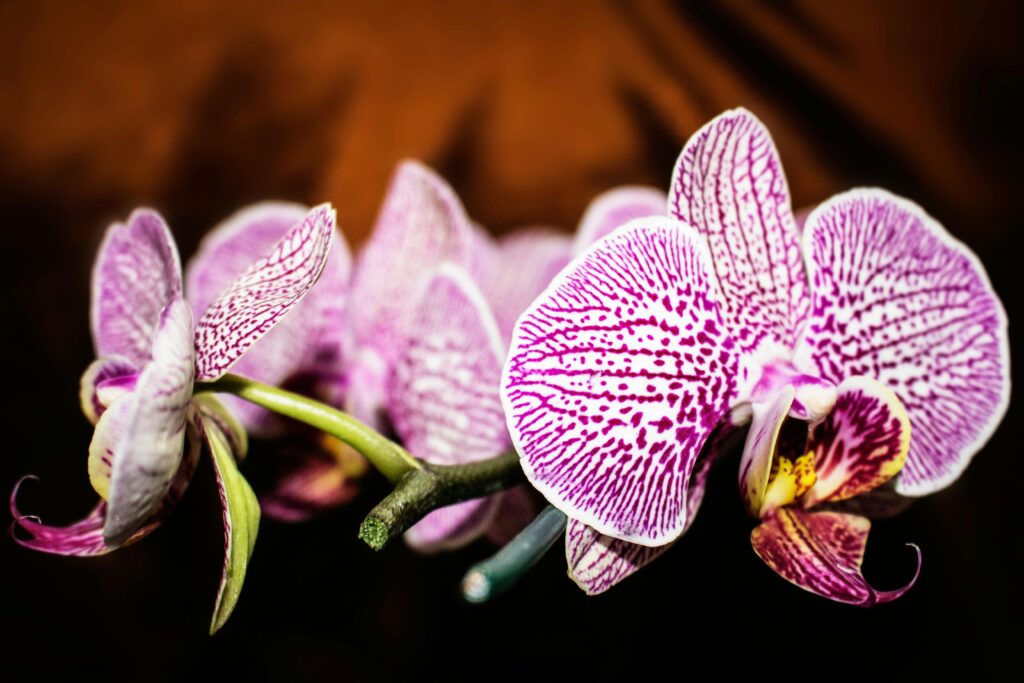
(139, 393)
(671, 332)
(308, 350)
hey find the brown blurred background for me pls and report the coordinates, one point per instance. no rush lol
(529, 109)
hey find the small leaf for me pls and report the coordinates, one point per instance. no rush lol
(241, 514)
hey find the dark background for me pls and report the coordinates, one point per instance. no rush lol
(529, 110)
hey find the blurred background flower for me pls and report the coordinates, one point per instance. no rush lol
(529, 110)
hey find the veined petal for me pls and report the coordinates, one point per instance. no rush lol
(311, 337)
(526, 262)
(896, 298)
(729, 184)
(241, 516)
(821, 552)
(136, 274)
(616, 207)
(453, 526)
(617, 374)
(861, 444)
(422, 223)
(149, 451)
(263, 294)
(598, 562)
(760, 447)
(104, 371)
(444, 400)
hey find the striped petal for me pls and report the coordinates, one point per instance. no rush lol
(310, 338)
(821, 552)
(421, 224)
(760, 448)
(598, 562)
(149, 451)
(258, 298)
(114, 376)
(729, 185)
(136, 274)
(525, 263)
(617, 207)
(860, 445)
(616, 376)
(444, 401)
(896, 298)
(241, 518)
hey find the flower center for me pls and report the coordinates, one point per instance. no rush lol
(790, 478)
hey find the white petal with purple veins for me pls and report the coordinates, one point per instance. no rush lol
(136, 274)
(149, 451)
(729, 184)
(263, 294)
(896, 298)
(311, 338)
(617, 374)
(616, 207)
(421, 224)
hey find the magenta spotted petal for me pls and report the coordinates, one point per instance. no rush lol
(443, 395)
(525, 262)
(729, 184)
(898, 299)
(263, 294)
(616, 376)
(821, 552)
(422, 223)
(137, 272)
(310, 338)
(616, 207)
(149, 452)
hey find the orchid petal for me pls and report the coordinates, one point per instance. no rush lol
(312, 337)
(421, 223)
(617, 375)
(263, 294)
(861, 444)
(453, 526)
(616, 207)
(527, 261)
(898, 299)
(136, 274)
(821, 552)
(729, 184)
(241, 516)
(598, 562)
(760, 447)
(149, 451)
(109, 371)
(444, 401)
(106, 438)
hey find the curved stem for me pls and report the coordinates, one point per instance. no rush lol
(434, 486)
(393, 461)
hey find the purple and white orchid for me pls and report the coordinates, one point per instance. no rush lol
(672, 331)
(139, 393)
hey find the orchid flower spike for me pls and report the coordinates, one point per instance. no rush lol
(139, 393)
(657, 342)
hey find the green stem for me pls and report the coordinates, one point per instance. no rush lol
(388, 457)
(434, 486)
(492, 576)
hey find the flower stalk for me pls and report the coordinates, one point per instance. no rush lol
(420, 487)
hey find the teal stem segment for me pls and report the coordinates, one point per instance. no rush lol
(393, 461)
(494, 575)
